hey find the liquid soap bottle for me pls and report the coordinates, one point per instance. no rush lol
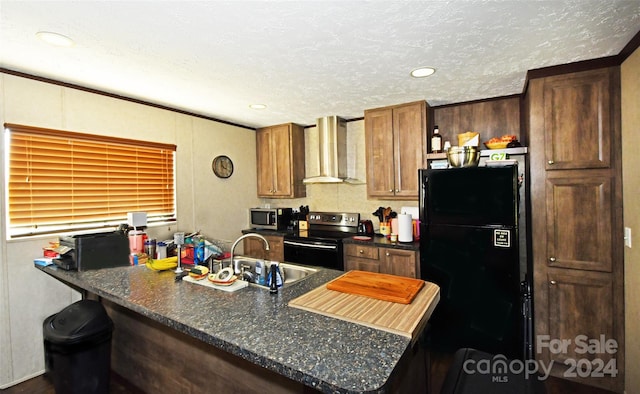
(273, 279)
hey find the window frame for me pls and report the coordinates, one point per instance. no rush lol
(161, 201)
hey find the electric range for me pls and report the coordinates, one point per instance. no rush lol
(321, 244)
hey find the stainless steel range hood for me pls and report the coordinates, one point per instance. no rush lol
(332, 138)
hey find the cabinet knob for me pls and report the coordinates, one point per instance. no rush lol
(390, 190)
(360, 251)
(553, 282)
(552, 259)
(397, 190)
(550, 162)
(387, 253)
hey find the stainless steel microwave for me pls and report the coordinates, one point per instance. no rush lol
(270, 218)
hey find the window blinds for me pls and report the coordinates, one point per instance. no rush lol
(60, 180)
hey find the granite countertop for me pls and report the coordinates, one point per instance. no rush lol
(384, 242)
(331, 355)
(377, 240)
(282, 233)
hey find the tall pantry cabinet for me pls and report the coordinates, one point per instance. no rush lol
(573, 123)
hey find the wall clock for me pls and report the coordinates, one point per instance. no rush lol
(222, 166)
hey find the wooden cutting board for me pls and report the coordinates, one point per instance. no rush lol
(407, 320)
(379, 286)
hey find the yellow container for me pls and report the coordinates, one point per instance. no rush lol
(468, 136)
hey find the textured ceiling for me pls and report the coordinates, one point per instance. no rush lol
(307, 59)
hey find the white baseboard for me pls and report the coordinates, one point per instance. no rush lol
(23, 379)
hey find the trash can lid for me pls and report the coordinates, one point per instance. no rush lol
(81, 321)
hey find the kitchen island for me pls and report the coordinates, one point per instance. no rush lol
(175, 336)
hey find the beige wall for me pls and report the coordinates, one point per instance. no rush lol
(340, 197)
(218, 207)
(631, 194)
(204, 202)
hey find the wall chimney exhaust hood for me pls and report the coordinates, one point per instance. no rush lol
(332, 138)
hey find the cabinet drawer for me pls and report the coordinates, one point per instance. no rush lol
(365, 252)
(362, 265)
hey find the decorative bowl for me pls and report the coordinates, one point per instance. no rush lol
(463, 156)
(497, 145)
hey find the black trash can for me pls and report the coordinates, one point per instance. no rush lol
(77, 348)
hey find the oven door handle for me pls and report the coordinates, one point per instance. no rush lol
(311, 246)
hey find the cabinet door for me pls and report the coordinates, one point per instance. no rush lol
(379, 151)
(579, 217)
(254, 247)
(409, 129)
(575, 297)
(282, 166)
(577, 120)
(264, 160)
(354, 263)
(398, 262)
(276, 247)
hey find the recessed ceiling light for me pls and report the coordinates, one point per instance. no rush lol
(257, 106)
(56, 39)
(422, 72)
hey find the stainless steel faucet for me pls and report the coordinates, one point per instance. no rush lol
(236, 270)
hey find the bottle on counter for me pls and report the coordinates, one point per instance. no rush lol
(260, 268)
(150, 248)
(161, 250)
(436, 141)
(273, 281)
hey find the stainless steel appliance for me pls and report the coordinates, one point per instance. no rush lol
(470, 246)
(270, 218)
(321, 244)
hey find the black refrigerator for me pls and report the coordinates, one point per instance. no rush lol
(470, 246)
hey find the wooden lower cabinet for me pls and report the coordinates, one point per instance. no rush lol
(399, 262)
(392, 261)
(571, 295)
(254, 247)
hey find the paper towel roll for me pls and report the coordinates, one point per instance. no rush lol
(405, 228)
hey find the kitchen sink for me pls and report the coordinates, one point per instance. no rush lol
(292, 272)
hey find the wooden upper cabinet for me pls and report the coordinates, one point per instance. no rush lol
(379, 152)
(280, 161)
(395, 143)
(577, 123)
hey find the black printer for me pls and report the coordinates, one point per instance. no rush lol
(93, 251)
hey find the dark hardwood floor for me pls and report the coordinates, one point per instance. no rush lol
(44, 385)
(440, 363)
(439, 366)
